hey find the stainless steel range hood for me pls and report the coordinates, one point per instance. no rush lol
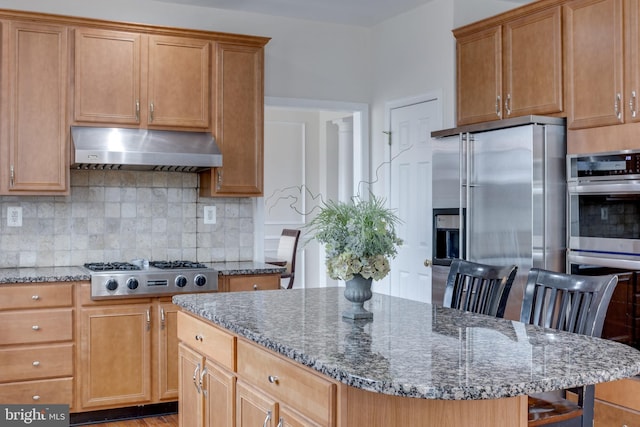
(143, 149)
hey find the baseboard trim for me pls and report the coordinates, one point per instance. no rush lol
(116, 414)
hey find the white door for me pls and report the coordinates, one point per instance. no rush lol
(410, 195)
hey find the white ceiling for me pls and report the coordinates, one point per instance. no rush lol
(364, 13)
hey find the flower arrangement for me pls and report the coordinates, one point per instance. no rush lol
(359, 237)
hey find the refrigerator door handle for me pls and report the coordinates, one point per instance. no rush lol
(465, 139)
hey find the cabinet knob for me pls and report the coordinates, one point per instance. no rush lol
(273, 379)
(427, 263)
(35, 327)
(199, 338)
(35, 297)
(36, 397)
(36, 363)
(255, 287)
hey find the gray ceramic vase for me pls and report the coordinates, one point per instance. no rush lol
(358, 291)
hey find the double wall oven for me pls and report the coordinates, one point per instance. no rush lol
(604, 232)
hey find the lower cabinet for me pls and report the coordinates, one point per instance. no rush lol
(36, 344)
(128, 353)
(249, 282)
(255, 408)
(226, 381)
(207, 391)
(617, 403)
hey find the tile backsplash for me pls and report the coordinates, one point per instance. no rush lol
(123, 215)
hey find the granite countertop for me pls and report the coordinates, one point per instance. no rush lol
(43, 274)
(79, 274)
(414, 349)
(231, 268)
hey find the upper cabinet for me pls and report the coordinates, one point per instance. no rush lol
(34, 144)
(510, 68)
(238, 122)
(595, 63)
(128, 78)
(178, 82)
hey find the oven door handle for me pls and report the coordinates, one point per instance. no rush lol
(604, 187)
(605, 261)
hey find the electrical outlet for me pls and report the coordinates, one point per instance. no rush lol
(209, 214)
(14, 216)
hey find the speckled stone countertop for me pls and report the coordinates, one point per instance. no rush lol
(231, 268)
(414, 349)
(43, 275)
(79, 274)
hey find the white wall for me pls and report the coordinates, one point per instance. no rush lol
(414, 54)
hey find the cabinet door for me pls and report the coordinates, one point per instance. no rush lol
(219, 391)
(594, 63)
(533, 64)
(190, 411)
(479, 76)
(632, 58)
(107, 76)
(178, 82)
(239, 122)
(254, 408)
(166, 332)
(115, 355)
(618, 324)
(288, 417)
(37, 160)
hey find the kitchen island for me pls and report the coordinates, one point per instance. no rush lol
(413, 364)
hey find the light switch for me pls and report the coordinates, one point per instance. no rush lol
(14, 216)
(209, 214)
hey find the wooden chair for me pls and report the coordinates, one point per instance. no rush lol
(286, 255)
(570, 303)
(479, 288)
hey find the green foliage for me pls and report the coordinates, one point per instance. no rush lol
(359, 237)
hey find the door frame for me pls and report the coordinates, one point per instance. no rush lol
(361, 156)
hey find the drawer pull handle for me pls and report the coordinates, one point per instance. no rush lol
(36, 363)
(35, 297)
(273, 379)
(35, 327)
(280, 422)
(36, 397)
(267, 419)
(199, 338)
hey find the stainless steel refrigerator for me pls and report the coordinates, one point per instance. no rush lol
(511, 184)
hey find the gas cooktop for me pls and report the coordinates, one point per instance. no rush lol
(155, 278)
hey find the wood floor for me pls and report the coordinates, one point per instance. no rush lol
(160, 421)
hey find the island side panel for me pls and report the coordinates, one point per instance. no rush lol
(360, 408)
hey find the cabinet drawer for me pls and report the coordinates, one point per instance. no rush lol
(14, 297)
(295, 386)
(34, 326)
(607, 415)
(623, 392)
(260, 282)
(207, 340)
(30, 363)
(57, 391)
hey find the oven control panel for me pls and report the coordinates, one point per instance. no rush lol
(616, 165)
